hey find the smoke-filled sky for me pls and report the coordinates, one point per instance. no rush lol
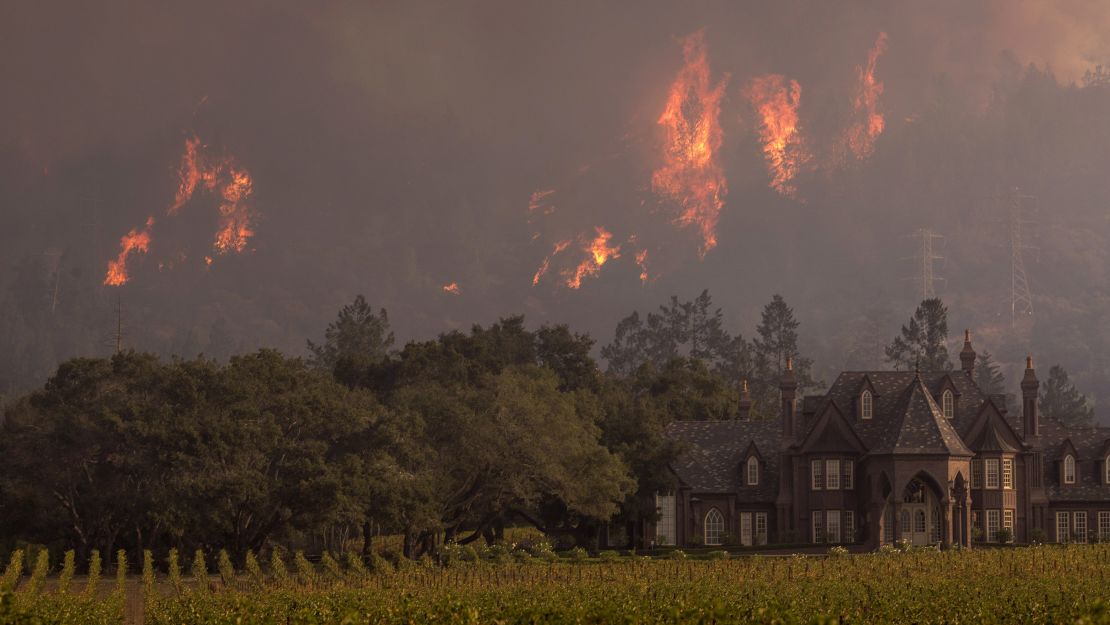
(397, 148)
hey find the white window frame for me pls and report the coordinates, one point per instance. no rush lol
(713, 528)
(849, 528)
(847, 474)
(1007, 473)
(832, 474)
(1069, 469)
(867, 405)
(817, 474)
(977, 473)
(1104, 526)
(994, 522)
(948, 404)
(1063, 527)
(665, 526)
(818, 526)
(761, 528)
(752, 477)
(1079, 521)
(991, 473)
(746, 529)
(1008, 521)
(832, 526)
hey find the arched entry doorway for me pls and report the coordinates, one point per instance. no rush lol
(920, 522)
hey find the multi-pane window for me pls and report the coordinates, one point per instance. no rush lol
(665, 526)
(1008, 521)
(753, 471)
(714, 527)
(1080, 526)
(832, 474)
(847, 477)
(746, 528)
(976, 473)
(1008, 473)
(849, 526)
(1069, 469)
(818, 526)
(948, 405)
(1063, 527)
(991, 465)
(1104, 526)
(761, 528)
(888, 524)
(866, 405)
(992, 525)
(817, 467)
(832, 526)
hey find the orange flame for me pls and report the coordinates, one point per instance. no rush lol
(188, 174)
(538, 202)
(776, 105)
(452, 288)
(598, 252)
(199, 169)
(135, 241)
(869, 124)
(641, 260)
(546, 264)
(690, 173)
(235, 217)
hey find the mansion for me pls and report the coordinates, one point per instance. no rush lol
(887, 456)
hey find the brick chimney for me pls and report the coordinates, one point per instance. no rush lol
(967, 356)
(745, 412)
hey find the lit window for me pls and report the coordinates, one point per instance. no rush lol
(1104, 526)
(846, 474)
(1063, 527)
(665, 526)
(849, 526)
(948, 405)
(1008, 473)
(976, 473)
(992, 472)
(1008, 521)
(1069, 469)
(818, 470)
(832, 526)
(746, 528)
(761, 528)
(753, 471)
(866, 405)
(818, 526)
(1080, 526)
(714, 527)
(832, 474)
(992, 525)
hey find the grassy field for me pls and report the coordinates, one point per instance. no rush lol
(1022, 585)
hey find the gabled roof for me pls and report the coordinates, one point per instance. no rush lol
(832, 433)
(714, 451)
(991, 432)
(916, 426)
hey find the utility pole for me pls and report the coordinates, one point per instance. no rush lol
(926, 275)
(55, 255)
(1018, 210)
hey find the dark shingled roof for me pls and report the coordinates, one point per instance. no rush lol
(1091, 445)
(714, 451)
(916, 426)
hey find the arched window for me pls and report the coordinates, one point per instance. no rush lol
(753, 471)
(1069, 469)
(948, 404)
(865, 405)
(714, 527)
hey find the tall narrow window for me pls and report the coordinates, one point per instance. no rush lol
(832, 474)
(1008, 521)
(1069, 469)
(665, 526)
(714, 527)
(977, 473)
(818, 526)
(847, 477)
(1008, 473)
(832, 526)
(1080, 520)
(992, 525)
(753, 471)
(888, 524)
(948, 404)
(849, 526)
(1106, 470)
(746, 528)
(761, 528)
(977, 520)
(992, 472)
(866, 406)
(1104, 526)
(817, 467)
(1063, 527)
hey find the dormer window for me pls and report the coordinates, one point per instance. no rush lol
(948, 404)
(866, 406)
(1069, 469)
(753, 471)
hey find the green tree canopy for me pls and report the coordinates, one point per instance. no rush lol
(358, 334)
(1060, 399)
(923, 341)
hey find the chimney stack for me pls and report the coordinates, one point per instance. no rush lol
(745, 402)
(788, 386)
(967, 356)
(1030, 413)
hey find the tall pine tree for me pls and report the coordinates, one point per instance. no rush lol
(922, 343)
(1061, 400)
(777, 342)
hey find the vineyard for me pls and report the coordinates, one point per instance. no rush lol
(1027, 585)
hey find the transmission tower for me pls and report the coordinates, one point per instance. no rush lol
(1018, 209)
(923, 259)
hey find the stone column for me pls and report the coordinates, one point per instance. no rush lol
(946, 523)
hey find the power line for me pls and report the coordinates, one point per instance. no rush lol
(1019, 211)
(923, 259)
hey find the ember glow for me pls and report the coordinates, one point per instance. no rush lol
(540, 203)
(869, 122)
(690, 174)
(452, 288)
(598, 252)
(641, 260)
(546, 264)
(775, 102)
(134, 242)
(235, 217)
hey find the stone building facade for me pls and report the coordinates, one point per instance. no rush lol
(887, 456)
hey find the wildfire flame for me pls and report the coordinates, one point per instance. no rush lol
(776, 105)
(199, 169)
(235, 218)
(538, 202)
(452, 288)
(641, 260)
(598, 252)
(690, 173)
(869, 124)
(546, 264)
(135, 241)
